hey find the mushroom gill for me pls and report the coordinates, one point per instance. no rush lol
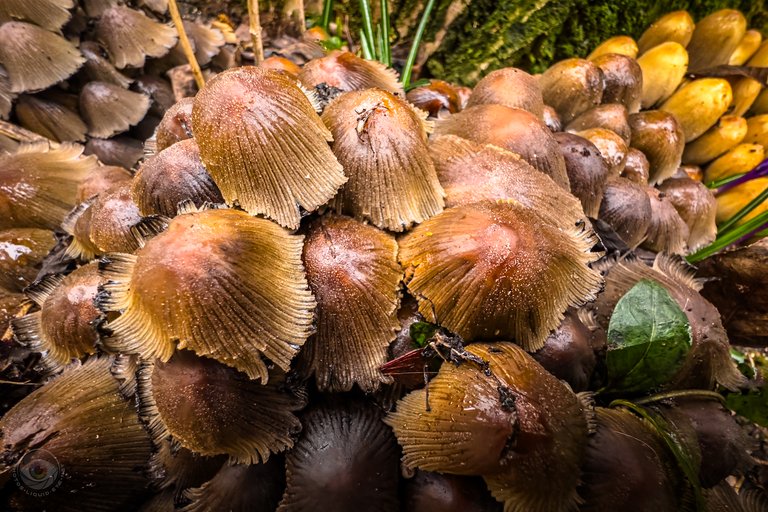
(48, 14)
(109, 109)
(50, 119)
(129, 36)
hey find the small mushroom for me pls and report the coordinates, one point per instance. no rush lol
(727, 133)
(667, 231)
(675, 26)
(510, 87)
(636, 168)
(627, 208)
(698, 105)
(176, 124)
(745, 90)
(436, 98)
(348, 72)
(98, 68)
(109, 109)
(427, 491)
(281, 65)
(746, 48)
(757, 130)
(663, 67)
(48, 14)
(613, 150)
(50, 119)
(129, 36)
(715, 38)
(623, 80)
(659, 136)
(616, 45)
(567, 353)
(738, 160)
(587, 171)
(611, 116)
(572, 86)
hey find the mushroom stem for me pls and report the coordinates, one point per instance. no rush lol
(254, 25)
(173, 8)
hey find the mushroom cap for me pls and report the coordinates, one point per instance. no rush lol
(109, 109)
(353, 272)
(95, 8)
(208, 269)
(22, 251)
(348, 72)
(623, 80)
(610, 116)
(715, 37)
(176, 124)
(513, 129)
(587, 171)
(659, 136)
(264, 145)
(567, 354)
(100, 179)
(50, 119)
(437, 492)
(696, 205)
(208, 40)
(492, 270)
(572, 86)
(667, 232)
(172, 176)
(6, 96)
(175, 468)
(612, 148)
(381, 141)
(626, 206)
(675, 26)
(98, 68)
(129, 36)
(435, 97)
(511, 87)
(663, 68)
(48, 14)
(697, 105)
(212, 409)
(281, 65)
(636, 168)
(35, 58)
(113, 214)
(120, 150)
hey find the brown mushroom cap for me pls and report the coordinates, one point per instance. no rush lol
(493, 270)
(715, 37)
(113, 214)
(567, 354)
(381, 141)
(22, 251)
(572, 86)
(667, 232)
(427, 491)
(516, 130)
(353, 272)
(95, 8)
(636, 168)
(6, 96)
(172, 176)
(109, 109)
(696, 205)
(627, 208)
(511, 87)
(612, 147)
(81, 432)
(130, 36)
(98, 68)
(122, 151)
(348, 72)
(623, 80)
(436, 97)
(35, 58)
(208, 269)
(208, 40)
(100, 179)
(212, 409)
(264, 145)
(587, 171)
(50, 119)
(48, 14)
(176, 124)
(610, 116)
(281, 65)
(176, 469)
(659, 136)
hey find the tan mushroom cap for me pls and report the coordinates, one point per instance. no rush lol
(667, 232)
(109, 109)
(176, 124)
(208, 40)
(572, 86)
(35, 58)
(348, 72)
(264, 145)
(22, 251)
(381, 141)
(353, 272)
(513, 129)
(623, 79)
(511, 87)
(100, 179)
(212, 409)
(98, 68)
(471, 172)
(697, 207)
(50, 119)
(95, 8)
(659, 136)
(172, 176)
(41, 184)
(113, 214)
(64, 328)
(627, 208)
(492, 270)
(224, 284)
(48, 14)
(130, 36)
(613, 149)
(78, 225)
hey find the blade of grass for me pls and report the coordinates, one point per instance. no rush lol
(325, 21)
(414, 51)
(760, 171)
(387, 49)
(746, 210)
(365, 11)
(367, 53)
(723, 181)
(379, 44)
(729, 238)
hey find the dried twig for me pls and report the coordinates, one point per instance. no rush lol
(185, 45)
(254, 25)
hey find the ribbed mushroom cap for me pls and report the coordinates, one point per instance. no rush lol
(512, 422)
(207, 270)
(130, 36)
(435, 97)
(98, 68)
(516, 130)
(493, 270)
(100, 179)
(623, 80)
(613, 149)
(572, 86)
(627, 208)
(587, 171)
(667, 232)
(437, 492)
(348, 72)
(208, 40)
(659, 136)
(113, 214)
(696, 205)
(48, 14)
(173, 175)
(381, 141)
(120, 150)
(109, 109)
(353, 272)
(346, 457)
(472, 172)
(76, 436)
(64, 328)
(636, 168)
(6, 96)
(50, 119)
(264, 145)
(176, 469)
(213, 409)
(723, 498)
(35, 58)
(176, 124)
(22, 251)
(609, 116)
(40, 185)
(77, 224)
(511, 87)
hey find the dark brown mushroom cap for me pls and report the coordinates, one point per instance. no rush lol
(109, 109)
(636, 167)
(572, 86)
(723, 498)
(159, 91)
(213, 409)
(175, 468)
(98, 68)
(659, 136)
(435, 97)
(667, 232)
(471, 172)
(696, 205)
(437, 492)
(50, 119)
(610, 116)
(353, 272)
(567, 354)
(623, 80)
(587, 171)
(129, 36)
(83, 434)
(627, 208)
(516, 130)
(22, 251)
(612, 148)
(176, 124)
(381, 141)
(122, 151)
(10, 304)
(208, 269)
(100, 179)
(173, 175)
(627, 467)
(64, 328)
(496, 270)
(40, 185)
(511, 87)
(35, 58)
(264, 145)
(348, 72)
(48, 14)
(346, 457)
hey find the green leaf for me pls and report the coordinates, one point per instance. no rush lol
(753, 405)
(648, 338)
(421, 332)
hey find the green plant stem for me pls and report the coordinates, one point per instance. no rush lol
(414, 51)
(680, 393)
(387, 50)
(379, 44)
(728, 238)
(365, 11)
(724, 181)
(365, 47)
(325, 21)
(757, 201)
